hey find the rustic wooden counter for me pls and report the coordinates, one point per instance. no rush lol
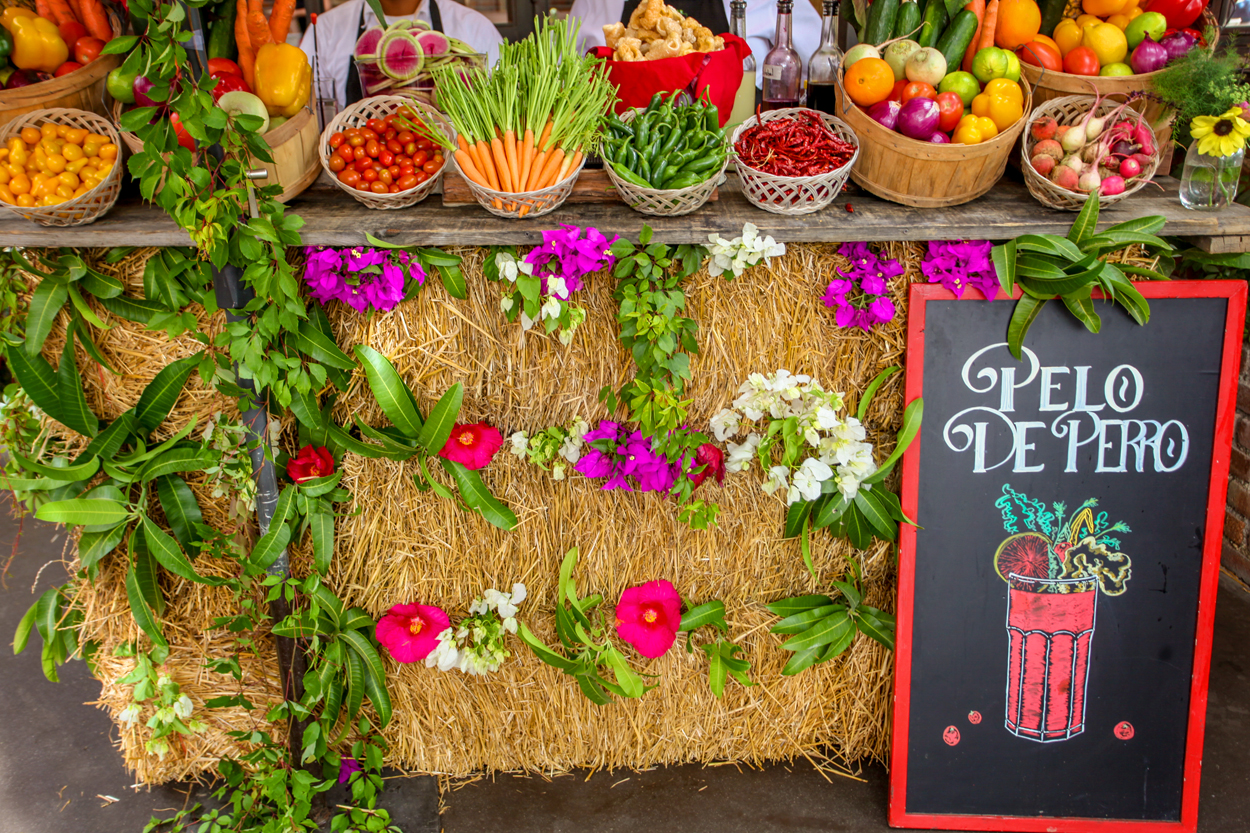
(331, 218)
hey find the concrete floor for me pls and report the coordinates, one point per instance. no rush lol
(59, 771)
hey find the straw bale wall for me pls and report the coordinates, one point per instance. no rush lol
(405, 546)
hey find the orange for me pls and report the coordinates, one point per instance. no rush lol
(1019, 21)
(1103, 8)
(1119, 21)
(869, 80)
(1068, 35)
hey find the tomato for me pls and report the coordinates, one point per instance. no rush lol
(347, 152)
(355, 140)
(1041, 55)
(394, 146)
(432, 167)
(349, 177)
(336, 163)
(407, 181)
(420, 158)
(410, 148)
(376, 125)
(424, 143)
(1081, 61)
(369, 176)
(421, 176)
(66, 68)
(386, 158)
(363, 186)
(918, 89)
(389, 134)
(369, 134)
(406, 169)
(394, 189)
(337, 139)
(373, 148)
(362, 165)
(223, 65)
(405, 136)
(896, 94)
(359, 153)
(378, 187)
(950, 111)
(71, 31)
(384, 176)
(87, 49)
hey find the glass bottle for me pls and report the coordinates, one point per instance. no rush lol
(825, 64)
(744, 101)
(1209, 183)
(783, 68)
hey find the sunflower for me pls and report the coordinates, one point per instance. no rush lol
(1220, 135)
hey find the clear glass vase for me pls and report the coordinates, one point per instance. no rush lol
(1209, 183)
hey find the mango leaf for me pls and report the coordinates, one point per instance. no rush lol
(342, 441)
(592, 687)
(73, 473)
(856, 529)
(892, 505)
(544, 653)
(374, 672)
(321, 525)
(710, 613)
(38, 379)
(796, 517)
(182, 511)
(159, 397)
(629, 682)
(1085, 223)
(1047, 288)
(102, 286)
(107, 443)
(913, 414)
(802, 660)
(184, 458)
(93, 546)
(870, 391)
(355, 684)
(873, 627)
(141, 612)
(27, 624)
(1033, 266)
(138, 310)
(319, 486)
(270, 546)
(721, 663)
(876, 514)
(477, 496)
(442, 419)
(804, 619)
(827, 630)
(83, 512)
(87, 313)
(1082, 306)
(797, 604)
(1004, 258)
(389, 390)
(1120, 239)
(1025, 313)
(831, 510)
(75, 412)
(392, 449)
(318, 346)
(45, 302)
(453, 281)
(165, 550)
(1049, 244)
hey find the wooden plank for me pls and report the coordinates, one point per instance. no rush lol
(592, 186)
(1229, 244)
(332, 218)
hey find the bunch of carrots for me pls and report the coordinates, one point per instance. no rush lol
(90, 13)
(252, 31)
(987, 22)
(528, 123)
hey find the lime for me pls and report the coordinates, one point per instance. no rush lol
(990, 63)
(1147, 23)
(961, 84)
(121, 85)
(1013, 66)
(1117, 69)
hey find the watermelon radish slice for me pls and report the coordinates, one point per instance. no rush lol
(367, 46)
(400, 55)
(434, 43)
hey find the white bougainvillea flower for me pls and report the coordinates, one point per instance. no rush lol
(724, 424)
(551, 308)
(130, 714)
(741, 454)
(778, 477)
(183, 707)
(506, 303)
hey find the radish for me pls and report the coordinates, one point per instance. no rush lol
(1074, 162)
(1048, 147)
(1044, 128)
(1064, 177)
(1060, 131)
(1089, 181)
(1074, 139)
(1130, 168)
(1111, 186)
(1142, 159)
(1093, 127)
(1141, 134)
(1043, 164)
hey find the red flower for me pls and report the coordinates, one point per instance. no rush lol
(311, 462)
(472, 446)
(410, 632)
(708, 461)
(648, 617)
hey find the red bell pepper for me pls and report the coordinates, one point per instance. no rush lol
(227, 83)
(1179, 13)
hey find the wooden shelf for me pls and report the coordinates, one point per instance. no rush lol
(332, 218)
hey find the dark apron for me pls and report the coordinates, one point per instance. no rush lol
(354, 91)
(709, 13)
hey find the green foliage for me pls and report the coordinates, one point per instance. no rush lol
(56, 622)
(1070, 268)
(1193, 263)
(1201, 84)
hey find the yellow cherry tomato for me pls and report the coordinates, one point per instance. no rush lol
(90, 148)
(19, 185)
(988, 129)
(72, 152)
(18, 153)
(69, 180)
(76, 135)
(6, 195)
(53, 199)
(96, 137)
(4, 154)
(25, 200)
(38, 186)
(56, 163)
(62, 130)
(31, 135)
(64, 192)
(48, 130)
(75, 166)
(108, 151)
(5, 176)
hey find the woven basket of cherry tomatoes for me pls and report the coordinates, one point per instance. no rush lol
(387, 151)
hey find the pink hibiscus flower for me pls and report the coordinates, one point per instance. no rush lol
(410, 632)
(648, 617)
(473, 445)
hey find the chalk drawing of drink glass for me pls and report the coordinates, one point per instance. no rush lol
(1055, 569)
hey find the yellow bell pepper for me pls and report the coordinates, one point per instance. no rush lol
(283, 78)
(37, 43)
(12, 13)
(968, 131)
(1003, 110)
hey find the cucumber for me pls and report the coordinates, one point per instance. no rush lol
(934, 22)
(1052, 13)
(221, 38)
(908, 20)
(881, 15)
(953, 7)
(954, 41)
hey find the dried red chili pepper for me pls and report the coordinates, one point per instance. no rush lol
(799, 145)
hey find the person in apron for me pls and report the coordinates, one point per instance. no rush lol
(714, 14)
(338, 30)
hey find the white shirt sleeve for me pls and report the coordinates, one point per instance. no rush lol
(594, 15)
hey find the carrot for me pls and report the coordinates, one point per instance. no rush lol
(488, 166)
(542, 140)
(978, 8)
(510, 154)
(527, 158)
(247, 57)
(469, 169)
(41, 9)
(536, 170)
(94, 18)
(463, 144)
(570, 162)
(550, 170)
(501, 163)
(62, 14)
(75, 6)
(280, 19)
(989, 24)
(258, 29)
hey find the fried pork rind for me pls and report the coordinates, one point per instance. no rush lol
(657, 30)
(628, 49)
(612, 33)
(647, 15)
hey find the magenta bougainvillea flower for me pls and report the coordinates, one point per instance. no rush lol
(626, 458)
(859, 295)
(648, 616)
(347, 768)
(570, 253)
(410, 632)
(310, 462)
(709, 461)
(473, 445)
(959, 264)
(363, 278)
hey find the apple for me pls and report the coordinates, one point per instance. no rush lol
(239, 103)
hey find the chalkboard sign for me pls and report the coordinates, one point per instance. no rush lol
(1055, 607)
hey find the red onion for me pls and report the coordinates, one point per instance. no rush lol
(142, 87)
(939, 138)
(1148, 57)
(1178, 44)
(918, 118)
(885, 113)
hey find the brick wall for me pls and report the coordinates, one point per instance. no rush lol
(1237, 516)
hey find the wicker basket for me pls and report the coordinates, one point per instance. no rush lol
(659, 202)
(794, 194)
(82, 89)
(524, 203)
(379, 107)
(1068, 110)
(92, 205)
(924, 175)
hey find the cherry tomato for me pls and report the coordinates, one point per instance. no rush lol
(372, 148)
(349, 177)
(363, 165)
(918, 89)
(337, 139)
(363, 186)
(410, 148)
(420, 158)
(356, 140)
(369, 176)
(369, 134)
(896, 94)
(400, 159)
(390, 134)
(386, 158)
(1081, 61)
(405, 136)
(378, 187)
(407, 181)
(404, 170)
(421, 176)
(393, 170)
(424, 143)
(950, 111)
(347, 152)
(376, 125)
(393, 146)
(394, 189)
(336, 163)
(432, 167)
(384, 176)
(87, 49)
(359, 153)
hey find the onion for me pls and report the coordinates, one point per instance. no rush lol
(141, 88)
(21, 78)
(1124, 148)
(885, 113)
(939, 138)
(1178, 44)
(918, 118)
(1148, 57)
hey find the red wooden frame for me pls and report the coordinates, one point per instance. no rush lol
(1235, 292)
